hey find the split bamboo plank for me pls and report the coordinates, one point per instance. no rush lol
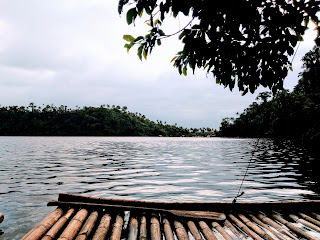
(74, 226)
(117, 228)
(194, 230)
(244, 228)
(274, 232)
(143, 228)
(220, 229)
(167, 229)
(292, 227)
(181, 231)
(103, 228)
(88, 226)
(304, 222)
(133, 228)
(39, 230)
(52, 233)
(317, 216)
(155, 228)
(310, 219)
(277, 226)
(233, 229)
(255, 228)
(207, 232)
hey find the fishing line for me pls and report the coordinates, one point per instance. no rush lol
(240, 194)
(295, 52)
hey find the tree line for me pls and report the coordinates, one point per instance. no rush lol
(285, 115)
(105, 120)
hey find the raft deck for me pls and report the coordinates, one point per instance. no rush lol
(82, 217)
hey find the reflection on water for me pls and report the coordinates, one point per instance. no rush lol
(35, 169)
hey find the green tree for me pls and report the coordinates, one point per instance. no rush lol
(243, 42)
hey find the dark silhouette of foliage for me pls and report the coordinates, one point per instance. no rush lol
(88, 121)
(288, 115)
(241, 42)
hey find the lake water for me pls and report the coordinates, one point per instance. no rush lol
(34, 170)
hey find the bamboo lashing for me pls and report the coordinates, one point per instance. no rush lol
(74, 226)
(38, 231)
(52, 233)
(103, 227)
(180, 231)
(194, 230)
(167, 229)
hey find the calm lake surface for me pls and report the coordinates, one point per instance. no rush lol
(33, 170)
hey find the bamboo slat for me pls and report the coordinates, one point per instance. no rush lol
(292, 227)
(74, 226)
(220, 229)
(52, 233)
(88, 226)
(310, 219)
(317, 216)
(194, 230)
(133, 228)
(244, 228)
(232, 228)
(180, 231)
(155, 231)
(277, 226)
(304, 222)
(143, 228)
(255, 228)
(117, 228)
(39, 230)
(275, 232)
(167, 229)
(103, 228)
(207, 232)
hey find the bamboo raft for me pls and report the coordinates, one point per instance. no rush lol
(82, 217)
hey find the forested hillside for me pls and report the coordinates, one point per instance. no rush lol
(289, 115)
(87, 121)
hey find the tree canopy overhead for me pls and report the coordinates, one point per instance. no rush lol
(243, 42)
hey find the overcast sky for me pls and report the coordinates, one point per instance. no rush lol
(71, 52)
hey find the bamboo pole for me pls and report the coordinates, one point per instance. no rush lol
(304, 222)
(103, 228)
(207, 232)
(117, 228)
(155, 228)
(244, 228)
(133, 228)
(180, 231)
(317, 216)
(292, 227)
(310, 219)
(88, 226)
(143, 228)
(274, 232)
(277, 226)
(194, 230)
(255, 228)
(74, 226)
(220, 229)
(233, 229)
(167, 229)
(54, 230)
(39, 230)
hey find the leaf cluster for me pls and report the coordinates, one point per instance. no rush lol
(241, 42)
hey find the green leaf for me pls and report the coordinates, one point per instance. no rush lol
(145, 54)
(173, 59)
(158, 42)
(291, 69)
(138, 39)
(182, 34)
(131, 15)
(140, 13)
(184, 71)
(128, 38)
(161, 32)
(140, 52)
(206, 66)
